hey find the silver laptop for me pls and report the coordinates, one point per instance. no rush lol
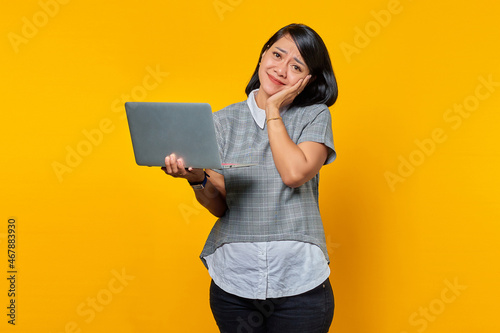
(186, 129)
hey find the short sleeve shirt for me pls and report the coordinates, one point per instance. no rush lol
(261, 208)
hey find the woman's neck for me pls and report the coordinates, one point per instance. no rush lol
(261, 99)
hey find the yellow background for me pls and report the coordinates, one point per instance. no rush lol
(395, 246)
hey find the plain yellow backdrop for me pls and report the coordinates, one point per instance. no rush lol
(411, 205)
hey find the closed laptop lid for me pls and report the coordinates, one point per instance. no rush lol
(186, 129)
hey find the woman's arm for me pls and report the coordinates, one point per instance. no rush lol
(296, 164)
(212, 196)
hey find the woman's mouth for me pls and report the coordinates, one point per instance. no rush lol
(275, 81)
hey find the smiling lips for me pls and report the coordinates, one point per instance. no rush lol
(275, 81)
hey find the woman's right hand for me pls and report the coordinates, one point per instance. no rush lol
(175, 167)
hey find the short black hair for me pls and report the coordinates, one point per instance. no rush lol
(322, 89)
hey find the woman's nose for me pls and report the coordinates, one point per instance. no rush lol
(281, 69)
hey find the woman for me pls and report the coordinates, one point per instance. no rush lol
(267, 254)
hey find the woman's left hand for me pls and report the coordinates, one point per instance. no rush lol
(286, 96)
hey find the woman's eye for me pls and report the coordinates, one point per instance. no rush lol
(297, 68)
(276, 55)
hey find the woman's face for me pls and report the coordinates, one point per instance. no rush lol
(281, 66)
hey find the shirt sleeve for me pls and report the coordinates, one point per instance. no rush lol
(319, 129)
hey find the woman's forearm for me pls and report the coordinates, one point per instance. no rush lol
(287, 156)
(296, 164)
(212, 196)
(212, 199)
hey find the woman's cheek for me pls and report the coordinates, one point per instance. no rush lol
(294, 80)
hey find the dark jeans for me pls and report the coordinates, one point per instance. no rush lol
(310, 312)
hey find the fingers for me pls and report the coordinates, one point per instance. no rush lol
(287, 95)
(298, 87)
(302, 83)
(180, 167)
(174, 166)
(168, 168)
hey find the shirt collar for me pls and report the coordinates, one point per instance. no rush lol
(258, 114)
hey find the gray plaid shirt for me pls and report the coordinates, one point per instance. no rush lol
(261, 208)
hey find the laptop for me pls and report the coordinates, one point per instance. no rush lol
(186, 129)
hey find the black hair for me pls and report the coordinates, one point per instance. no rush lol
(322, 89)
